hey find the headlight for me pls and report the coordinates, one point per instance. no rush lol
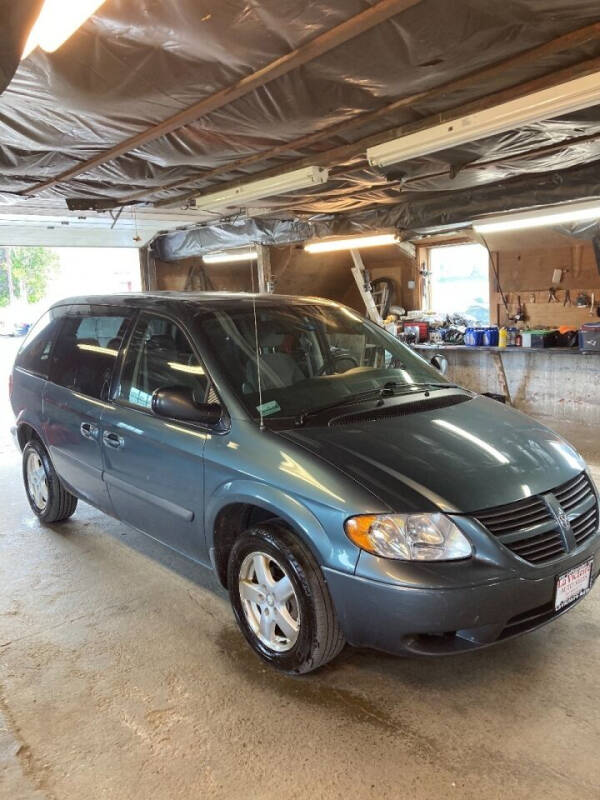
(409, 537)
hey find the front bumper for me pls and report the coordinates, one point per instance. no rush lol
(405, 617)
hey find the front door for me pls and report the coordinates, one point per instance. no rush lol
(154, 466)
(76, 394)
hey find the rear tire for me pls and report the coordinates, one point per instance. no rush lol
(281, 601)
(48, 498)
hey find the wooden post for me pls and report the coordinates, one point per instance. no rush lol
(499, 364)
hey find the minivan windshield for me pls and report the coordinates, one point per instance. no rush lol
(310, 356)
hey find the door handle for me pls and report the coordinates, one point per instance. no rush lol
(88, 431)
(112, 439)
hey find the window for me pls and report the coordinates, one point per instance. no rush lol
(309, 355)
(460, 282)
(34, 355)
(160, 355)
(87, 348)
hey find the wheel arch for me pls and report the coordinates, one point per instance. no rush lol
(237, 506)
(26, 432)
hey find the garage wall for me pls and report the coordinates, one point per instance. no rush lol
(297, 272)
(526, 263)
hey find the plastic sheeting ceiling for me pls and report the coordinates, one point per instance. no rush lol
(136, 63)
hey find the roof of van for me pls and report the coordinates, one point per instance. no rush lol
(155, 298)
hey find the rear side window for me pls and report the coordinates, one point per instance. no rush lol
(87, 348)
(158, 356)
(34, 355)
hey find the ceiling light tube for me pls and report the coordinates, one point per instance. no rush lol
(545, 104)
(57, 22)
(268, 187)
(352, 243)
(559, 215)
(227, 257)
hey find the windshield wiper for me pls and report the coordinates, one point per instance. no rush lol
(343, 401)
(436, 385)
(387, 390)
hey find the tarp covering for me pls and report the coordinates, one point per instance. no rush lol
(135, 64)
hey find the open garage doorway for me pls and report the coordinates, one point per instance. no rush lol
(32, 278)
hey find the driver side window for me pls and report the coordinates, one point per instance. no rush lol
(159, 355)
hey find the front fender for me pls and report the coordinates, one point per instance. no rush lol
(299, 517)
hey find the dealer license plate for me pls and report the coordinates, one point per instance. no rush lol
(572, 585)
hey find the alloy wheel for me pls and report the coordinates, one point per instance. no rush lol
(37, 481)
(269, 601)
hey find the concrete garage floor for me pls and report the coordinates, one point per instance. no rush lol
(122, 675)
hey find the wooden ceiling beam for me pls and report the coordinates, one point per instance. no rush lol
(357, 150)
(560, 44)
(344, 32)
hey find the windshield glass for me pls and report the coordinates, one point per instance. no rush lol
(310, 355)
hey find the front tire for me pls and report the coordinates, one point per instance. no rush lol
(48, 498)
(281, 601)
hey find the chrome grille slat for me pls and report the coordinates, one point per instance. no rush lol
(500, 530)
(508, 519)
(512, 524)
(534, 543)
(542, 550)
(511, 510)
(576, 499)
(542, 559)
(570, 486)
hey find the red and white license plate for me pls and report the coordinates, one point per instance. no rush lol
(573, 584)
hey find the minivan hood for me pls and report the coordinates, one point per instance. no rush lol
(462, 458)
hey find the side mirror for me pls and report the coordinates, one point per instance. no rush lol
(177, 402)
(441, 363)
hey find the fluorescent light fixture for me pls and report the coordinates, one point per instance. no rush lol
(256, 190)
(572, 212)
(57, 22)
(545, 104)
(352, 243)
(231, 255)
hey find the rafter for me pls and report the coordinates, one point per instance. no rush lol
(344, 32)
(536, 54)
(357, 150)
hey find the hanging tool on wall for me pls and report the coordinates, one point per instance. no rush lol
(552, 298)
(583, 300)
(567, 300)
(519, 315)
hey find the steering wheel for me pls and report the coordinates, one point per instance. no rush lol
(339, 357)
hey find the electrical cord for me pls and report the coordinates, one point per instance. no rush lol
(496, 275)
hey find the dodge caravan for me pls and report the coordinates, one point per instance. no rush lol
(339, 486)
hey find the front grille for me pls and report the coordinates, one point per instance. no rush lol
(516, 516)
(574, 492)
(586, 525)
(529, 529)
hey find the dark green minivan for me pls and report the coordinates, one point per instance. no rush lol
(339, 486)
